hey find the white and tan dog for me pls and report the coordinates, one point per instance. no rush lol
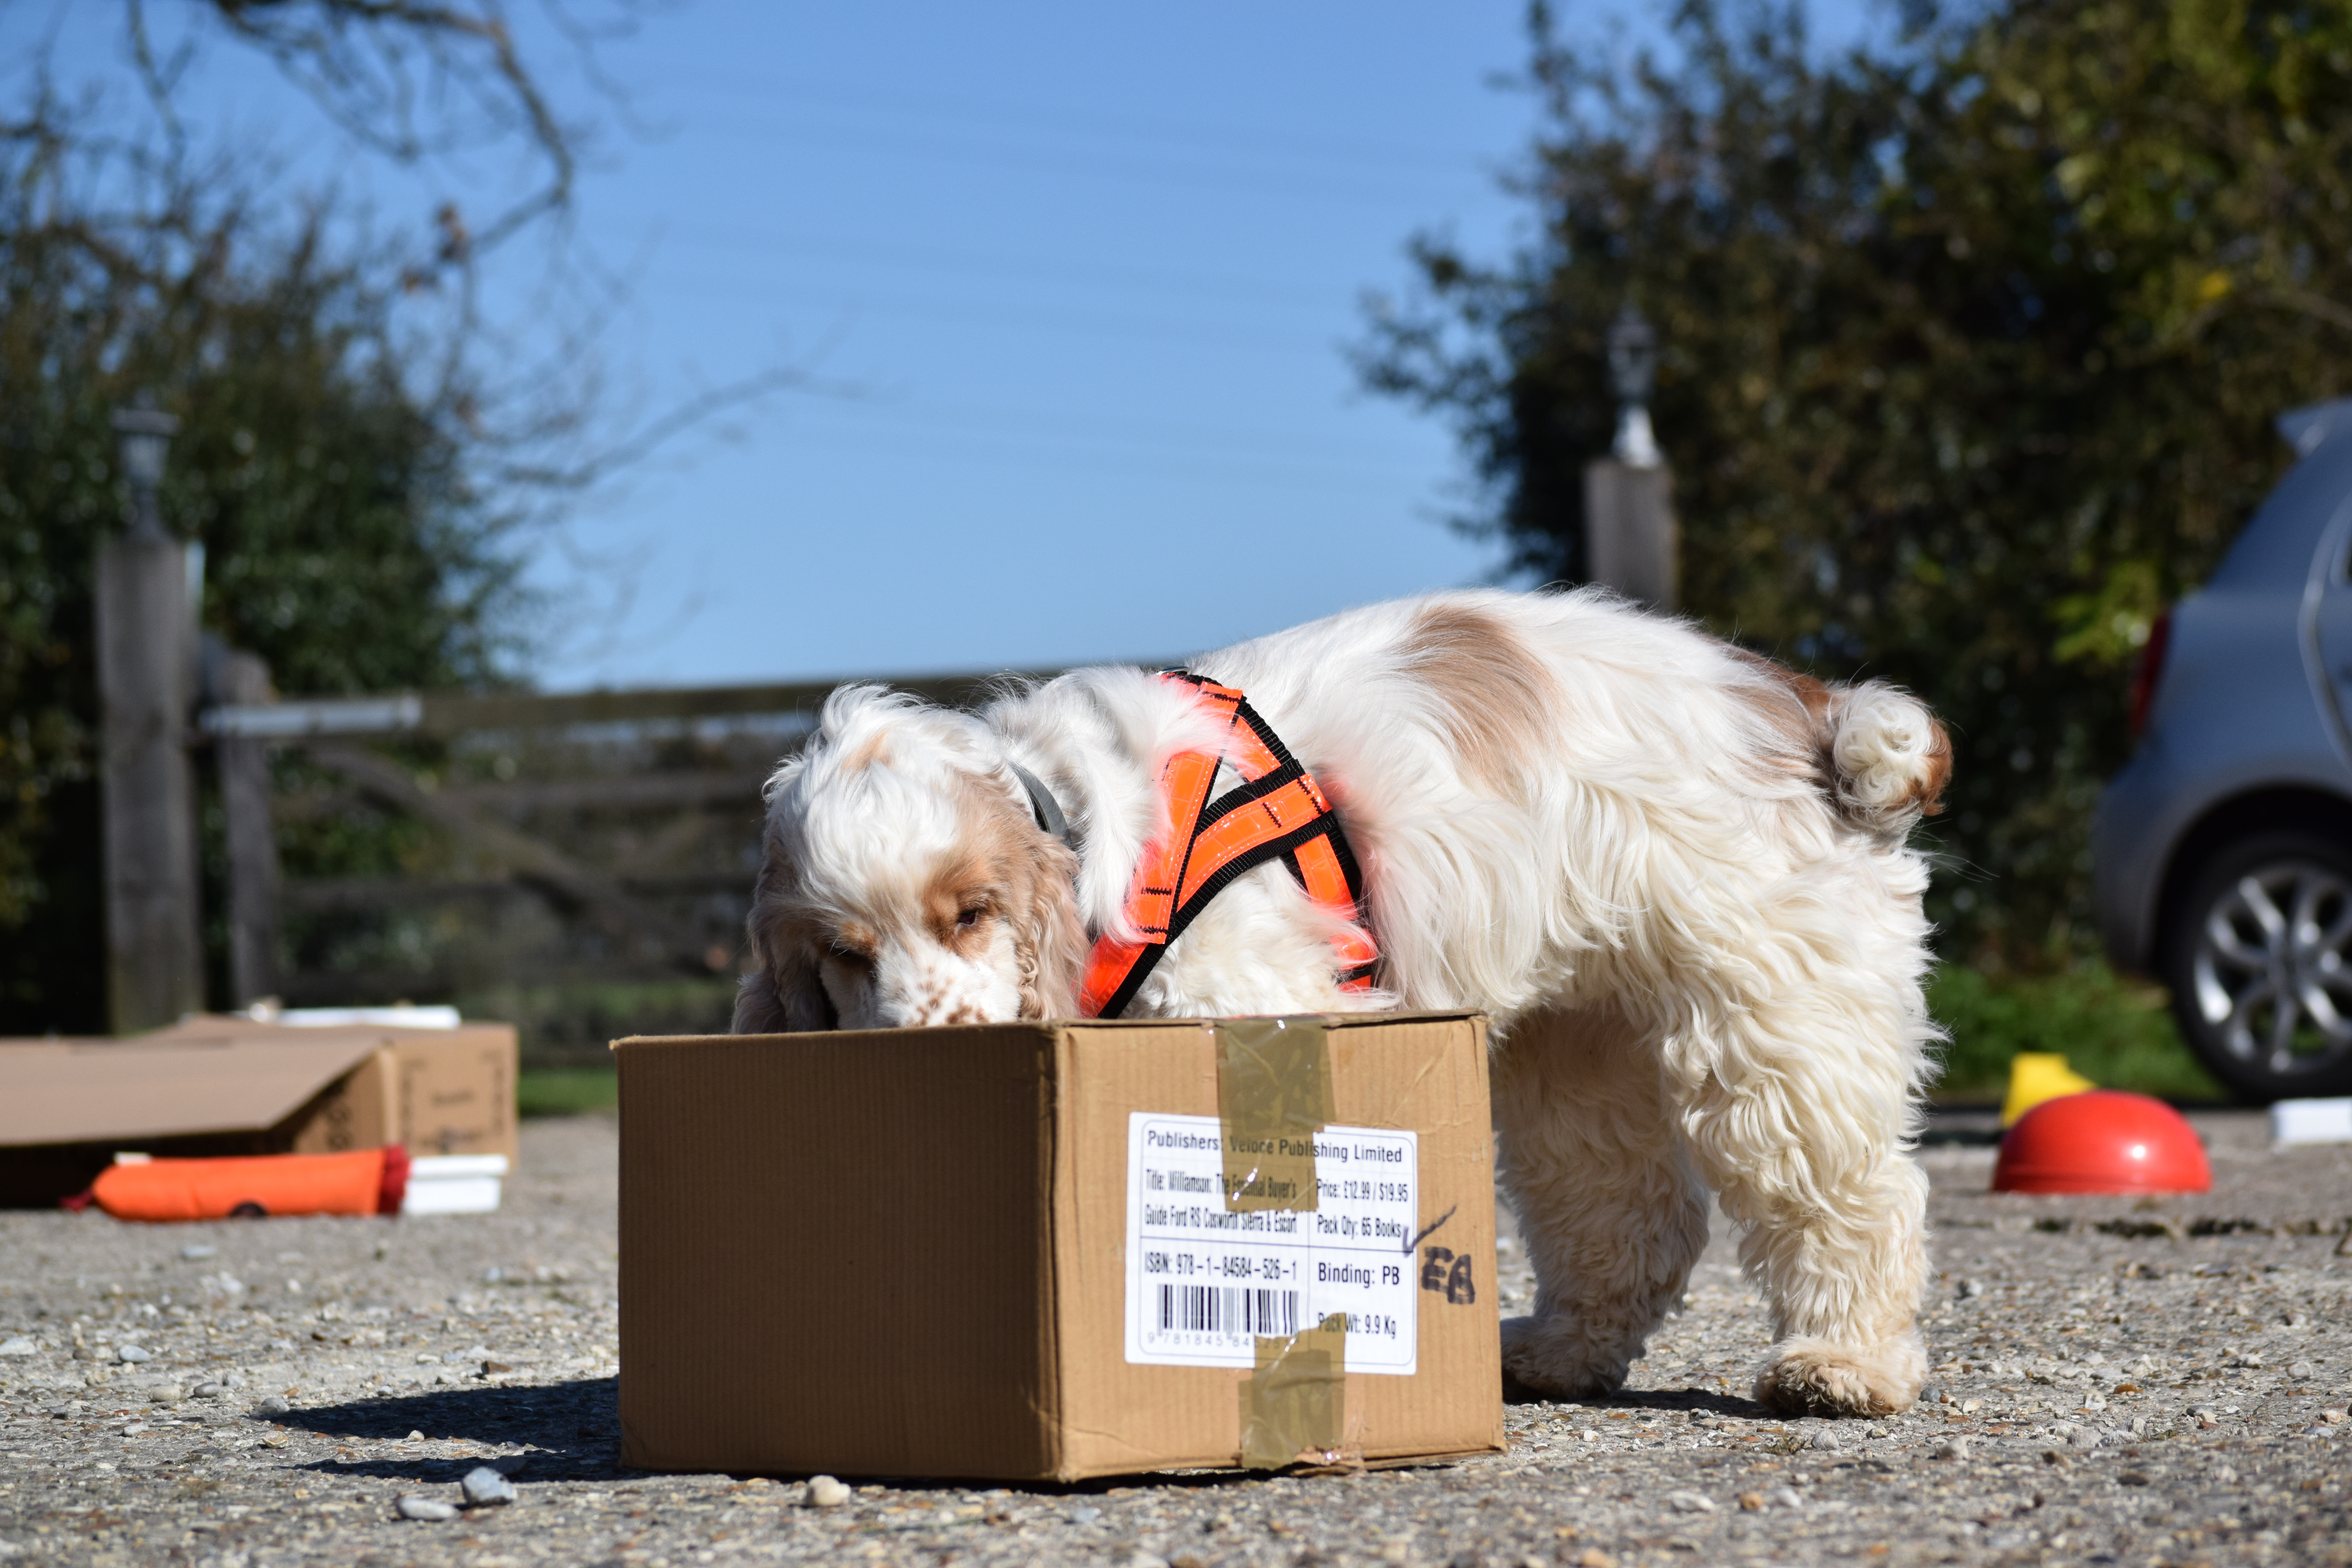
(1674, 875)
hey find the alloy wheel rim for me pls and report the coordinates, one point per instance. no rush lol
(2274, 968)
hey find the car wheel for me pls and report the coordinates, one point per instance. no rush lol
(2259, 958)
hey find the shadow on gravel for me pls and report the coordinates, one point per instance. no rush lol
(1961, 1126)
(1676, 1401)
(1681, 1401)
(574, 1431)
(572, 1426)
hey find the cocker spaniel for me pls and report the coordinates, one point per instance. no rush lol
(1676, 876)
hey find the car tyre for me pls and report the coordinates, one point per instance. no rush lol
(2258, 955)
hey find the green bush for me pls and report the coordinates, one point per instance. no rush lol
(566, 1091)
(348, 537)
(1970, 343)
(2115, 1032)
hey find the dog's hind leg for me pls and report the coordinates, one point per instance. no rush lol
(1805, 1147)
(1608, 1202)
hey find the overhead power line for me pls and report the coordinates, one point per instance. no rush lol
(980, 263)
(1297, 450)
(1258, 141)
(937, 150)
(1160, 468)
(1221, 335)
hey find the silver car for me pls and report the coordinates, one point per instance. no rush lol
(2223, 853)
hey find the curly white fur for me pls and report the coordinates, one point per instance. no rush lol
(1673, 874)
(1885, 743)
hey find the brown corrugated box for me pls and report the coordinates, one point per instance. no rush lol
(909, 1252)
(233, 1086)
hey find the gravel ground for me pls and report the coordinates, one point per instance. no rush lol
(2116, 1381)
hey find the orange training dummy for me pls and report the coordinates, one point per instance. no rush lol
(367, 1180)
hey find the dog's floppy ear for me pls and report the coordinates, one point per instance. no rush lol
(1049, 941)
(783, 996)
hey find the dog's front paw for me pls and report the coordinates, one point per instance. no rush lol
(1549, 1358)
(1815, 1377)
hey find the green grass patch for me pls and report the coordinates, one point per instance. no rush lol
(566, 1091)
(2118, 1033)
(572, 1025)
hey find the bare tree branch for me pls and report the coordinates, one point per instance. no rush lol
(695, 412)
(162, 235)
(155, 77)
(2302, 300)
(409, 79)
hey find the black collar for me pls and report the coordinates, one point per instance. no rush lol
(1042, 801)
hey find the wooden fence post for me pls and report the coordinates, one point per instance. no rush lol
(251, 835)
(146, 682)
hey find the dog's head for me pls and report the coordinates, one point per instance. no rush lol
(906, 881)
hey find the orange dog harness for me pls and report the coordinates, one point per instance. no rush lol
(1277, 812)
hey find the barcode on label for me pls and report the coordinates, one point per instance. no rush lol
(1227, 1309)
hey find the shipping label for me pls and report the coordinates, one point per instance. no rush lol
(1204, 1281)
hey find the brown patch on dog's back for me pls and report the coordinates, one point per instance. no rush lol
(1497, 697)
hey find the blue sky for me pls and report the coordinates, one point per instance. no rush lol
(1077, 282)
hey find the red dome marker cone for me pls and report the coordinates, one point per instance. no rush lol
(2103, 1140)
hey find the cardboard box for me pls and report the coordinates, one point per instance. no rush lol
(1061, 1249)
(231, 1086)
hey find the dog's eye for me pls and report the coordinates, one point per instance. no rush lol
(967, 919)
(851, 956)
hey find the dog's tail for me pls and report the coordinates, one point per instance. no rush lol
(1889, 758)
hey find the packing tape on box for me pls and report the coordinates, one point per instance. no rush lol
(1292, 1405)
(1273, 1095)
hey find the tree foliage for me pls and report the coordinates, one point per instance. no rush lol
(1972, 345)
(345, 539)
(357, 481)
(365, 458)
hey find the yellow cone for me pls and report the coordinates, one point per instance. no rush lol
(2037, 1076)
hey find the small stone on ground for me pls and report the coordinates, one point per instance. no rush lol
(484, 1486)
